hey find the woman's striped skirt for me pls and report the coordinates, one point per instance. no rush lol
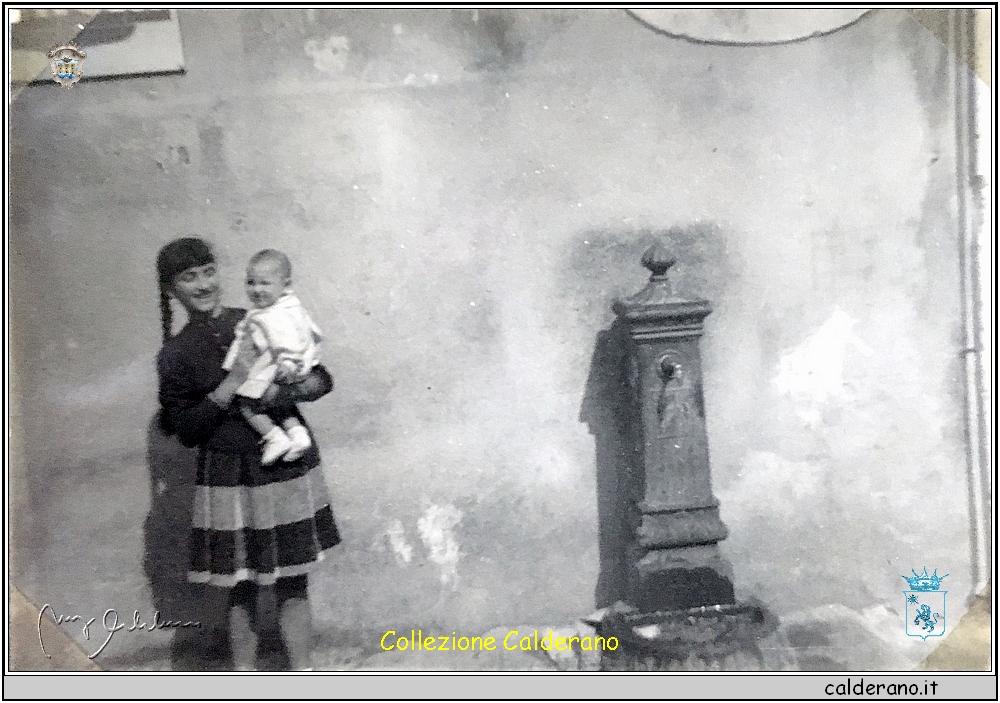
(258, 523)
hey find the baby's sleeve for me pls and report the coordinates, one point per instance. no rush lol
(258, 333)
(234, 348)
(317, 335)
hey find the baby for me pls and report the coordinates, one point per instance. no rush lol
(288, 343)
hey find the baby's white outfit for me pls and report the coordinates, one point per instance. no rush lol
(288, 342)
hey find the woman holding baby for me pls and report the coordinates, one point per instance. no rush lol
(258, 528)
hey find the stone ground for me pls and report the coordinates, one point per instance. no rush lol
(817, 644)
(88, 507)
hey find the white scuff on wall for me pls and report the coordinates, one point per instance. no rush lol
(427, 79)
(329, 56)
(813, 372)
(436, 529)
(402, 549)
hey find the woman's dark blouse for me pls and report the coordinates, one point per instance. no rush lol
(190, 367)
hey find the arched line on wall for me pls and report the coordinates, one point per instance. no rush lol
(633, 13)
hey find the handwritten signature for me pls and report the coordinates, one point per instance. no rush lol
(111, 625)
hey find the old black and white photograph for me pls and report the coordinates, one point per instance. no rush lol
(510, 339)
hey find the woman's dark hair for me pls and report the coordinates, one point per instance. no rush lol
(175, 258)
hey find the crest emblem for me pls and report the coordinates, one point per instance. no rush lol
(67, 64)
(925, 605)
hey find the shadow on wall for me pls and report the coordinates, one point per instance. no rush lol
(166, 531)
(612, 261)
(611, 413)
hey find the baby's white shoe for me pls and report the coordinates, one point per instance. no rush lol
(300, 441)
(276, 445)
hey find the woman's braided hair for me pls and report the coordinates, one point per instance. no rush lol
(174, 258)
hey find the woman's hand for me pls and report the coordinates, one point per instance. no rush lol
(318, 383)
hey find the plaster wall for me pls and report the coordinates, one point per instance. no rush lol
(462, 197)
